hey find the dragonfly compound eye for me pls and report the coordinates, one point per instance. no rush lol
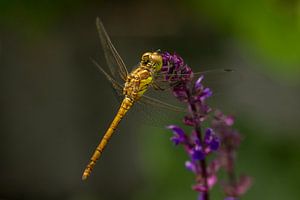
(156, 60)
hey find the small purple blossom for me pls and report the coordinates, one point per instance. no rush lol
(179, 136)
(202, 92)
(197, 153)
(206, 93)
(190, 166)
(198, 83)
(211, 140)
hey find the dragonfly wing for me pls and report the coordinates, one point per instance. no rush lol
(113, 59)
(117, 87)
(177, 76)
(160, 104)
(215, 79)
(155, 113)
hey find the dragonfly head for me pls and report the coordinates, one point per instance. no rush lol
(152, 60)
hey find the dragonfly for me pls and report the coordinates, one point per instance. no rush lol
(135, 83)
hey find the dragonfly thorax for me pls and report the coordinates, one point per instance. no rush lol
(138, 81)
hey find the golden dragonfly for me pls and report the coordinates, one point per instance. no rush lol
(135, 84)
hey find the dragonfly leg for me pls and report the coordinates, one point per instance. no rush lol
(157, 87)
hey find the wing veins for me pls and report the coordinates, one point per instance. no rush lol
(158, 103)
(107, 44)
(115, 84)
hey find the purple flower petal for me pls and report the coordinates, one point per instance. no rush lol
(197, 153)
(179, 135)
(229, 120)
(177, 61)
(198, 84)
(166, 56)
(215, 143)
(208, 133)
(212, 180)
(176, 130)
(190, 166)
(243, 185)
(199, 188)
(211, 139)
(206, 93)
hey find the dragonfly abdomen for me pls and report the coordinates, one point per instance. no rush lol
(125, 106)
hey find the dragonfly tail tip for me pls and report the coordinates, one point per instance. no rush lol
(84, 177)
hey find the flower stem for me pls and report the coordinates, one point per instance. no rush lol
(202, 163)
(197, 129)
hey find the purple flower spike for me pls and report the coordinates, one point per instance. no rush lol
(201, 142)
(179, 135)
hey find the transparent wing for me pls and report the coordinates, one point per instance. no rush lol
(160, 104)
(113, 59)
(175, 77)
(155, 112)
(114, 83)
(216, 79)
(116, 86)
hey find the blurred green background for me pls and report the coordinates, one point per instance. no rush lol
(55, 104)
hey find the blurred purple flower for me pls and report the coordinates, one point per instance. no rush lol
(222, 125)
(190, 165)
(239, 188)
